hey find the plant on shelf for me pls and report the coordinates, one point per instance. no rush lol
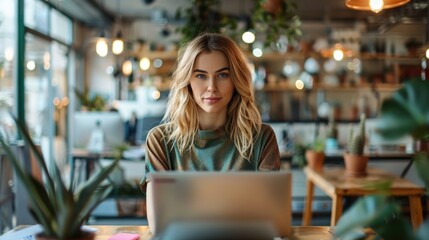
(309, 154)
(277, 18)
(298, 157)
(405, 113)
(315, 154)
(203, 16)
(60, 210)
(97, 103)
(354, 159)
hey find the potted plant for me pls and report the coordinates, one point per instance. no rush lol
(315, 154)
(96, 103)
(277, 18)
(298, 157)
(354, 159)
(405, 113)
(310, 154)
(203, 16)
(61, 211)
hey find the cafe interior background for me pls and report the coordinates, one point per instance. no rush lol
(61, 69)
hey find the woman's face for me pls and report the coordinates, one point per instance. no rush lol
(211, 83)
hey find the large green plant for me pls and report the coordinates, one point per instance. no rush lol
(277, 18)
(60, 210)
(203, 16)
(405, 113)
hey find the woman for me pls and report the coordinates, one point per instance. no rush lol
(212, 122)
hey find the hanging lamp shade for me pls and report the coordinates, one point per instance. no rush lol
(366, 4)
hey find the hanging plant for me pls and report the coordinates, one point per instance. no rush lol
(203, 16)
(277, 18)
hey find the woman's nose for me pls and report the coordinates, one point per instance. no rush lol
(211, 85)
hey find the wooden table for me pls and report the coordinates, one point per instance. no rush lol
(337, 185)
(298, 233)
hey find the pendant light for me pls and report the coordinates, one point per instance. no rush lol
(374, 5)
(101, 47)
(118, 43)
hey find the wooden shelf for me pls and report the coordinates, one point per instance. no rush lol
(275, 56)
(380, 87)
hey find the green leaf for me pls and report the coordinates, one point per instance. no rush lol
(37, 194)
(367, 211)
(37, 153)
(406, 112)
(395, 228)
(87, 189)
(421, 161)
(60, 211)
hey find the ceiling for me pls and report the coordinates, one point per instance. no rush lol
(97, 12)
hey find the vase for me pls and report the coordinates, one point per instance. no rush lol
(355, 165)
(84, 235)
(315, 160)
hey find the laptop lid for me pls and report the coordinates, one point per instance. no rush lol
(240, 197)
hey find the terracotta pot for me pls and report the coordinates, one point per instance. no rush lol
(355, 165)
(83, 236)
(315, 159)
(272, 6)
(422, 146)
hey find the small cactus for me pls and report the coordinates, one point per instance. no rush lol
(332, 131)
(356, 142)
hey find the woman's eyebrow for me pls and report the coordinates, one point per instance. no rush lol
(203, 71)
(223, 69)
(199, 70)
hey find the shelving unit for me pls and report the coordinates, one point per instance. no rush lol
(280, 95)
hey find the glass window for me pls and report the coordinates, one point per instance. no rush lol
(7, 70)
(60, 100)
(37, 102)
(36, 16)
(61, 27)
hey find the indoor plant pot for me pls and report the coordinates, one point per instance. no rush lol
(85, 235)
(355, 162)
(355, 165)
(315, 159)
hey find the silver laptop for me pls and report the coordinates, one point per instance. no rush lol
(242, 198)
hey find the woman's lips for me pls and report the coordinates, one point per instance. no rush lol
(211, 99)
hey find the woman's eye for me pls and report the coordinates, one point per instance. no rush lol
(200, 76)
(223, 75)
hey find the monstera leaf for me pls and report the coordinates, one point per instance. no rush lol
(406, 112)
(377, 213)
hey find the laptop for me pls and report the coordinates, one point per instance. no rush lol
(219, 200)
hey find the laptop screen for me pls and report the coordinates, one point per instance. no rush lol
(242, 197)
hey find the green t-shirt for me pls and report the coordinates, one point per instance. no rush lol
(213, 151)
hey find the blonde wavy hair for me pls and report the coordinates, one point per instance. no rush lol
(243, 118)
